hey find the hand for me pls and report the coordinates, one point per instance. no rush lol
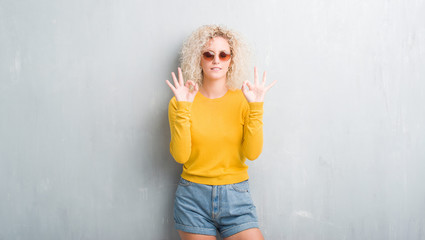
(256, 92)
(182, 91)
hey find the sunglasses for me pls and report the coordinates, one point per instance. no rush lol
(209, 56)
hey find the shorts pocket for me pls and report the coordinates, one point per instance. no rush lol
(184, 183)
(242, 187)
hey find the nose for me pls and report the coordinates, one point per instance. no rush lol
(216, 59)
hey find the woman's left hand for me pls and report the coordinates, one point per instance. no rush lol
(256, 92)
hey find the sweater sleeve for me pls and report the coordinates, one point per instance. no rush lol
(179, 118)
(252, 144)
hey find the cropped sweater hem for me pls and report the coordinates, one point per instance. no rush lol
(218, 180)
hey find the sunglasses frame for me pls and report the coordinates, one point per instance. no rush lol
(210, 58)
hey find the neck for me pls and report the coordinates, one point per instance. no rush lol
(213, 89)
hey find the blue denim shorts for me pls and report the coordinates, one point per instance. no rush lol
(206, 209)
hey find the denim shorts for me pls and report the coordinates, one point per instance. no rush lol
(206, 209)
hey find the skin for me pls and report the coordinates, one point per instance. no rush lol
(214, 86)
(214, 82)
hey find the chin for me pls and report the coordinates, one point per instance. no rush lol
(215, 75)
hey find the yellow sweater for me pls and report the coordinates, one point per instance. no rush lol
(213, 137)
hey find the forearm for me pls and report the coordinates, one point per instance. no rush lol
(180, 144)
(253, 132)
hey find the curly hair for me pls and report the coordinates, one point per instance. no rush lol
(190, 55)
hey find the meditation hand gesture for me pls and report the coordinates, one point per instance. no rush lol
(256, 92)
(182, 91)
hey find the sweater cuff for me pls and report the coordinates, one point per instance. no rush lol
(256, 105)
(183, 105)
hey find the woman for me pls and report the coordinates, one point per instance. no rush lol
(214, 127)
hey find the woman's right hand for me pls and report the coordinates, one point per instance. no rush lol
(181, 90)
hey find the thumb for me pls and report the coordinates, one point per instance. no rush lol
(243, 86)
(191, 85)
(196, 87)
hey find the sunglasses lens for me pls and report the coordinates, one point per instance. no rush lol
(208, 56)
(224, 56)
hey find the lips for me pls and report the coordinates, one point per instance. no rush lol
(215, 69)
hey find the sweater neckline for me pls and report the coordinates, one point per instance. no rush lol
(214, 99)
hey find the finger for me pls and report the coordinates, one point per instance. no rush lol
(264, 77)
(271, 85)
(255, 76)
(249, 84)
(180, 76)
(175, 80)
(170, 85)
(190, 83)
(243, 88)
(194, 85)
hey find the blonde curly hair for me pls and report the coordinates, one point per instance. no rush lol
(191, 52)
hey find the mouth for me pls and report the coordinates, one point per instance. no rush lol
(215, 69)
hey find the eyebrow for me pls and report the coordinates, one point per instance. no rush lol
(218, 51)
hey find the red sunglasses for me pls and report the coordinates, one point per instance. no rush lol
(209, 56)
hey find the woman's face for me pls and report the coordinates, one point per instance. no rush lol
(215, 67)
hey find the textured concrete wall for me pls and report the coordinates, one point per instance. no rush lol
(84, 132)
